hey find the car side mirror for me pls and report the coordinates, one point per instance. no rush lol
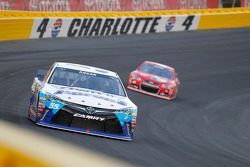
(41, 74)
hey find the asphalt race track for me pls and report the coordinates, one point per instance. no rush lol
(208, 125)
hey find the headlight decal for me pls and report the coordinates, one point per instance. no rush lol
(166, 86)
(125, 115)
(133, 76)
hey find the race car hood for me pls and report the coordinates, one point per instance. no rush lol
(88, 97)
(152, 77)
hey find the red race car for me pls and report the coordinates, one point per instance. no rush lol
(154, 79)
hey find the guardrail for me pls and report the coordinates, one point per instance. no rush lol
(31, 25)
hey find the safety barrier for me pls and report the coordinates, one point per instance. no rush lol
(31, 25)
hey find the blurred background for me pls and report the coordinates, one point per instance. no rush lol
(13, 138)
(117, 5)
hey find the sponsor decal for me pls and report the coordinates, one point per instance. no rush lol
(144, 5)
(192, 4)
(122, 103)
(84, 27)
(123, 117)
(87, 73)
(133, 122)
(181, 23)
(112, 26)
(57, 28)
(134, 113)
(88, 93)
(101, 5)
(5, 5)
(81, 90)
(91, 117)
(170, 23)
(32, 111)
(42, 99)
(90, 110)
(107, 5)
(42, 96)
(41, 105)
(53, 105)
(80, 27)
(48, 5)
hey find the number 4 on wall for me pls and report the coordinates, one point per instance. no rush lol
(42, 27)
(188, 22)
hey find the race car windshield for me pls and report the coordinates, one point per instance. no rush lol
(88, 80)
(156, 70)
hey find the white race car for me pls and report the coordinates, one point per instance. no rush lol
(82, 99)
